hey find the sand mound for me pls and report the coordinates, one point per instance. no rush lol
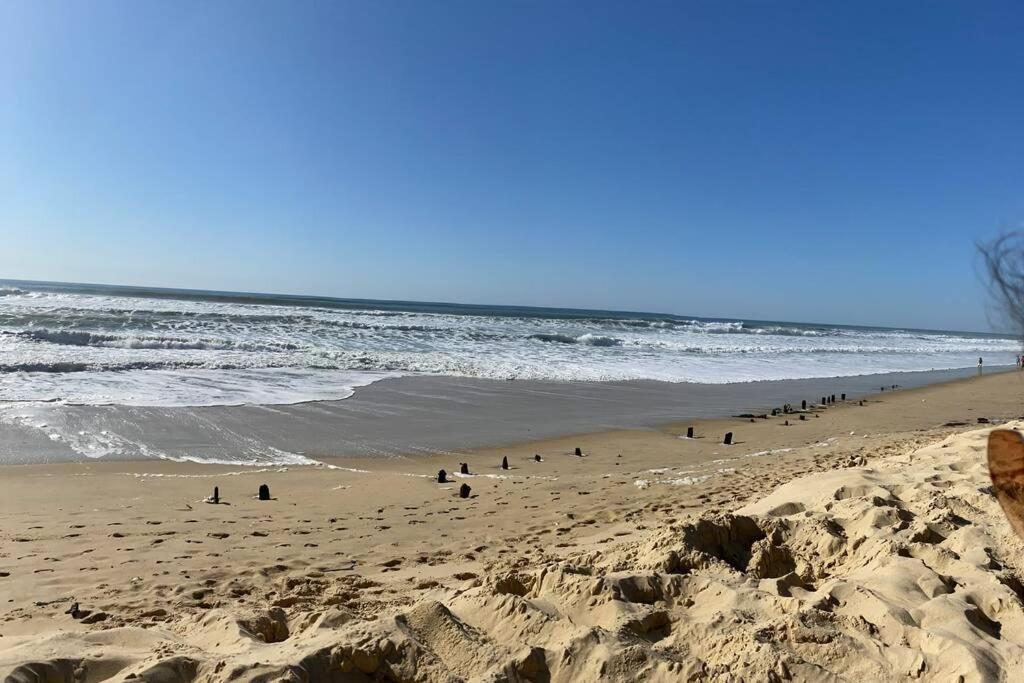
(898, 570)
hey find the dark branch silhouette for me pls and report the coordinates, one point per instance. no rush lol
(1003, 259)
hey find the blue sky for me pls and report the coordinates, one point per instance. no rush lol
(826, 162)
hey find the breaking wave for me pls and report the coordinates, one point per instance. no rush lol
(78, 338)
(587, 339)
(138, 346)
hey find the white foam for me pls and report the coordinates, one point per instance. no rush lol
(500, 476)
(100, 349)
(168, 475)
(187, 387)
(683, 481)
(770, 451)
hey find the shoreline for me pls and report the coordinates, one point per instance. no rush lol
(752, 436)
(406, 416)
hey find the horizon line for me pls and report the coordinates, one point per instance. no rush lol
(164, 288)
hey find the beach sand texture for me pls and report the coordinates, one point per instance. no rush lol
(861, 543)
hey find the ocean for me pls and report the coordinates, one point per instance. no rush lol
(109, 345)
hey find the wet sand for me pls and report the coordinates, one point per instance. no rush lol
(404, 416)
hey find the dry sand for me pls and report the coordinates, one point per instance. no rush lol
(861, 543)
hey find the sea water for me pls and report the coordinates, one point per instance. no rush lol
(103, 345)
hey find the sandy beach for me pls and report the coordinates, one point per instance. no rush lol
(859, 542)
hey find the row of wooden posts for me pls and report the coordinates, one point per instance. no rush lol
(464, 490)
(787, 409)
(263, 493)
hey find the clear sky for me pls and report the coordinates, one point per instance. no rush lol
(811, 161)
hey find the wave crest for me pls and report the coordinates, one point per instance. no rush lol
(95, 339)
(586, 339)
